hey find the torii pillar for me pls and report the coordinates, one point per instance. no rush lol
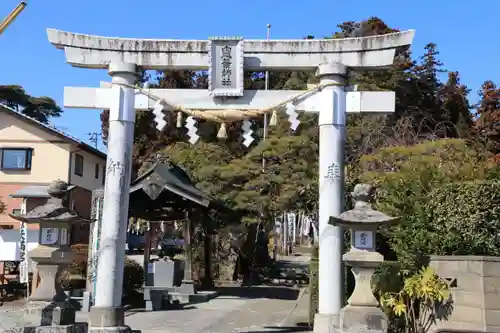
(330, 58)
(332, 119)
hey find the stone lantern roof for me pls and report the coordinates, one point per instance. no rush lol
(54, 210)
(363, 215)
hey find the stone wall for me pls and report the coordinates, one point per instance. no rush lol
(475, 291)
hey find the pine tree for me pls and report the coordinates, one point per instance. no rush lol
(456, 117)
(487, 122)
(39, 108)
(427, 84)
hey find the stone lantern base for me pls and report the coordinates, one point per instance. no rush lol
(362, 319)
(52, 317)
(51, 313)
(362, 314)
(49, 309)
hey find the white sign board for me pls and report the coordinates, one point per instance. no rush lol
(363, 239)
(225, 70)
(23, 266)
(96, 235)
(49, 236)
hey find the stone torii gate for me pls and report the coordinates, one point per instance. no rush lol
(226, 58)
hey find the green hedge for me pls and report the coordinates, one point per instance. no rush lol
(465, 218)
(414, 173)
(133, 277)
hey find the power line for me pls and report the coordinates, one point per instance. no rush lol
(94, 137)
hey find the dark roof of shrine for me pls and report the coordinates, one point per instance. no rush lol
(164, 176)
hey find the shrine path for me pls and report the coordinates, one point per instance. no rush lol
(224, 314)
(275, 308)
(238, 309)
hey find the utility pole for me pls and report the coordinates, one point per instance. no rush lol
(264, 136)
(94, 138)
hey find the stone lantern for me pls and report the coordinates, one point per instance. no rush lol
(362, 313)
(49, 305)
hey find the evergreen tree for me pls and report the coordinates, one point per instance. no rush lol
(487, 122)
(39, 108)
(427, 84)
(456, 117)
(231, 172)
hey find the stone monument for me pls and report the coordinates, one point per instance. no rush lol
(362, 313)
(49, 308)
(226, 59)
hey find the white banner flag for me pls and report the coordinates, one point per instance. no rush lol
(23, 266)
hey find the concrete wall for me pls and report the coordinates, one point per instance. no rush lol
(50, 153)
(476, 297)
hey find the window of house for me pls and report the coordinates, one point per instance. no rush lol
(16, 158)
(79, 165)
(16, 212)
(97, 170)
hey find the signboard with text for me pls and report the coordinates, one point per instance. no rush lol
(225, 68)
(23, 266)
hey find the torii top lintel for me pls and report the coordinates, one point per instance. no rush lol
(89, 51)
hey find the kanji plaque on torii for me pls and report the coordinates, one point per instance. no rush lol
(225, 66)
(226, 59)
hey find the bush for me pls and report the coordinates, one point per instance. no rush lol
(133, 278)
(313, 284)
(465, 218)
(406, 176)
(423, 300)
(74, 277)
(387, 278)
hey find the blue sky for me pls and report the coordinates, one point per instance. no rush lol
(460, 28)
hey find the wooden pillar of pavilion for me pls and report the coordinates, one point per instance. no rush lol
(147, 253)
(187, 282)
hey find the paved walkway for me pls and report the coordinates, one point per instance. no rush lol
(237, 310)
(225, 314)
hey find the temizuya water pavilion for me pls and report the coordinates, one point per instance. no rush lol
(163, 192)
